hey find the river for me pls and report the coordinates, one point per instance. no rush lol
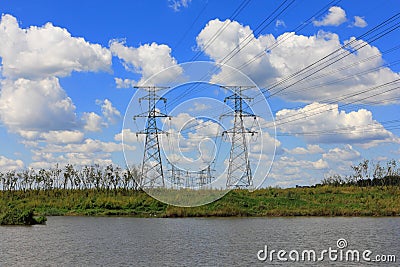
(121, 241)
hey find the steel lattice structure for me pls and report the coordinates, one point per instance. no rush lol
(152, 175)
(190, 179)
(239, 170)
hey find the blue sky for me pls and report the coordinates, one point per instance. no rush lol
(68, 67)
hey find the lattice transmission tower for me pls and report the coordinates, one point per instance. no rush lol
(239, 170)
(191, 179)
(152, 175)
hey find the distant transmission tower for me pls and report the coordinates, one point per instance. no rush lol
(176, 176)
(190, 179)
(204, 177)
(152, 175)
(239, 171)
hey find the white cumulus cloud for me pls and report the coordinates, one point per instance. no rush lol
(87, 146)
(127, 136)
(62, 137)
(359, 22)
(33, 138)
(233, 36)
(110, 113)
(147, 60)
(46, 51)
(124, 83)
(347, 153)
(311, 149)
(335, 17)
(36, 105)
(32, 60)
(354, 78)
(92, 122)
(7, 164)
(325, 123)
(87, 152)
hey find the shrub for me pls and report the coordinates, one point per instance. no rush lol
(20, 217)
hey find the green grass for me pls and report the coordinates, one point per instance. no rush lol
(319, 201)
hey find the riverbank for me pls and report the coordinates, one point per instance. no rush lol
(318, 201)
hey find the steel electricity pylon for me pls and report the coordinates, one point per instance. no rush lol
(190, 179)
(152, 175)
(239, 171)
(205, 177)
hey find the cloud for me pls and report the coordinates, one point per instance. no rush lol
(280, 23)
(88, 152)
(32, 138)
(36, 105)
(92, 122)
(289, 171)
(187, 131)
(49, 160)
(311, 149)
(360, 71)
(147, 60)
(199, 107)
(124, 83)
(177, 5)
(265, 144)
(110, 113)
(7, 164)
(233, 36)
(30, 135)
(335, 17)
(294, 167)
(127, 136)
(47, 51)
(62, 137)
(88, 146)
(320, 164)
(324, 123)
(359, 22)
(32, 60)
(347, 153)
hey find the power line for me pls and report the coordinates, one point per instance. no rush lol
(339, 80)
(328, 102)
(178, 43)
(308, 21)
(288, 36)
(300, 27)
(237, 11)
(356, 63)
(346, 53)
(335, 59)
(277, 123)
(257, 31)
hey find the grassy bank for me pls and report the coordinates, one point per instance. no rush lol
(319, 201)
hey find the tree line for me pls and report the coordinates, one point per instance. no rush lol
(368, 173)
(70, 177)
(114, 178)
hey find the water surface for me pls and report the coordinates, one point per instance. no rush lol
(114, 241)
